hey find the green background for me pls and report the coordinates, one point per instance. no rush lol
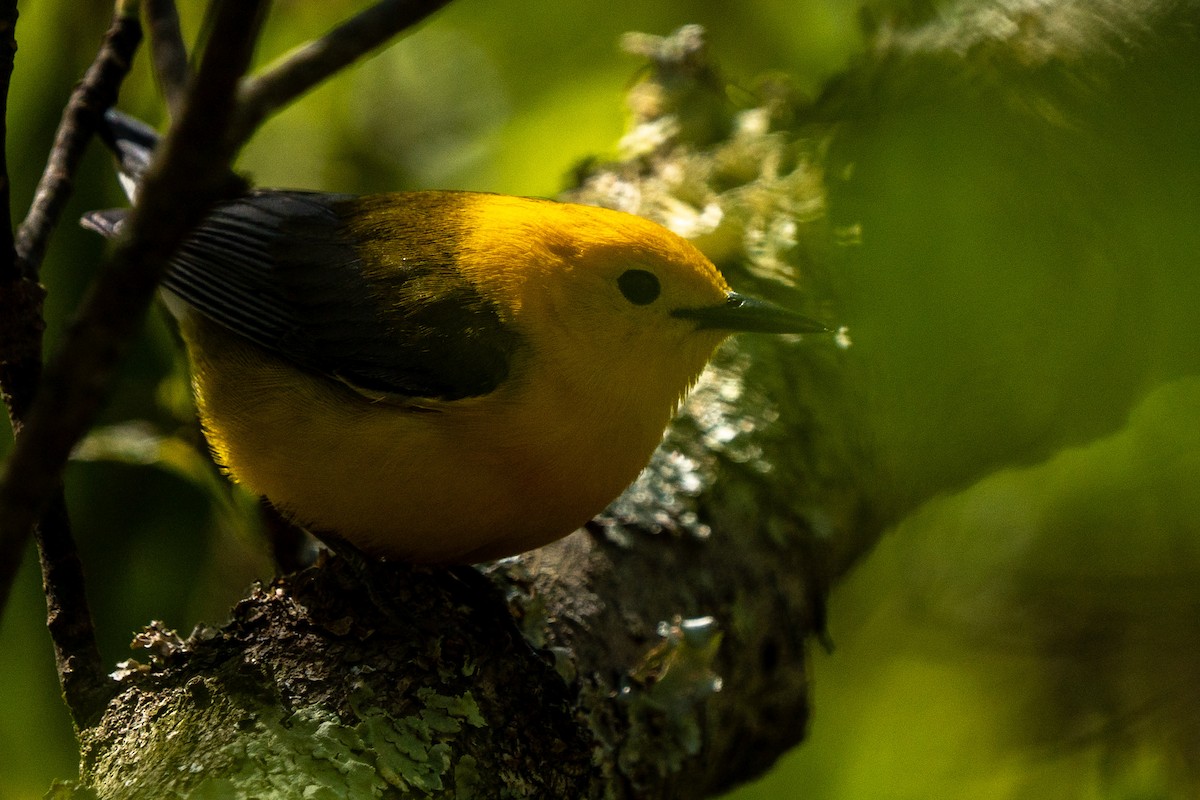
(1031, 634)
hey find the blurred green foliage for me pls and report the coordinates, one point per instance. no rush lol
(1016, 199)
(1030, 632)
(1032, 636)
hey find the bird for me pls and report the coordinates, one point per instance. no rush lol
(437, 376)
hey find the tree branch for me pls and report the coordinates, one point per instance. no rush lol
(312, 63)
(95, 93)
(191, 174)
(168, 52)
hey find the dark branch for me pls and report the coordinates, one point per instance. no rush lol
(69, 620)
(192, 173)
(96, 92)
(86, 687)
(21, 321)
(168, 52)
(312, 63)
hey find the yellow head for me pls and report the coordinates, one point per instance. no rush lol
(594, 292)
(598, 298)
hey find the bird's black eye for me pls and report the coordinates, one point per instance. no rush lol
(639, 286)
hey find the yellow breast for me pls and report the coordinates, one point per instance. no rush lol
(466, 481)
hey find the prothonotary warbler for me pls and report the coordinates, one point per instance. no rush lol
(439, 376)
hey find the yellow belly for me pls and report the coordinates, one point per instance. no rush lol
(476, 479)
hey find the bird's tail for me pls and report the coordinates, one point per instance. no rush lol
(132, 142)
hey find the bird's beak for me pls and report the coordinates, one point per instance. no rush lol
(741, 313)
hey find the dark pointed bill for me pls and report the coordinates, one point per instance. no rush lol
(741, 313)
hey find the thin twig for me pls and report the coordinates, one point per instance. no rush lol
(168, 52)
(96, 92)
(86, 688)
(312, 63)
(190, 174)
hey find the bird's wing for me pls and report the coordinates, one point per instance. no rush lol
(298, 274)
